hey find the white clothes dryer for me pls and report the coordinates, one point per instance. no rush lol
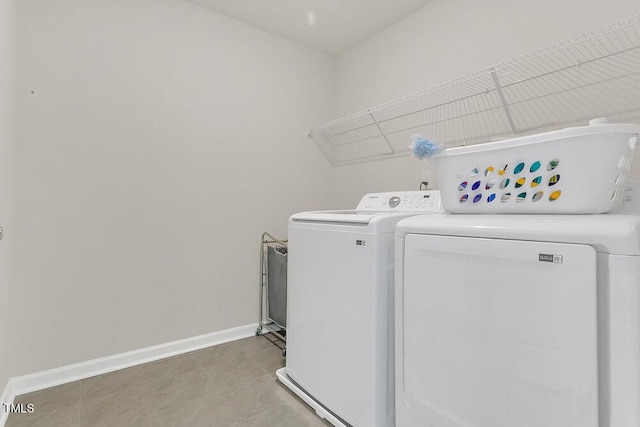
(518, 320)
(340, 307)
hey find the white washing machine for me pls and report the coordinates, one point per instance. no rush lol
(518, 321)
(340, 307)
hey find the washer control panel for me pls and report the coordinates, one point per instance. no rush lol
(401, 201)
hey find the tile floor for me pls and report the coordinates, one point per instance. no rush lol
(232, 384)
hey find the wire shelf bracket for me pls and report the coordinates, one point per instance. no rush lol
(496, 82)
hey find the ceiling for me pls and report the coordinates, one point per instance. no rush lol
(329, 26)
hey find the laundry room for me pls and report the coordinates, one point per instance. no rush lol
(146, 146)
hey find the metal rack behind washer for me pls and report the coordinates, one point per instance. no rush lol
(265, 323)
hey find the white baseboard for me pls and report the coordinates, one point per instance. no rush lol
(66, 374)
(7, 397)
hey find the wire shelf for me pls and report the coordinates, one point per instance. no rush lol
(595, 74)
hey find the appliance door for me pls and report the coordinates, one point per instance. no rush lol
(499, 333)
(338, 331)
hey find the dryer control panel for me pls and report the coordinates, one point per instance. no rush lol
(401, 201)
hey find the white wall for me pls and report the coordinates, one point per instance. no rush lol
(445, 40)
(157, 141)
(6, 145)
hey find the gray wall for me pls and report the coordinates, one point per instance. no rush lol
(157, 141)
(6, 146)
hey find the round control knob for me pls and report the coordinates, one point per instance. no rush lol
(394, 201)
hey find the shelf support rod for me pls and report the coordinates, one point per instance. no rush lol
(375, 122)
(496, 82)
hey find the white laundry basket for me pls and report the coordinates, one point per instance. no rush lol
(579, 170)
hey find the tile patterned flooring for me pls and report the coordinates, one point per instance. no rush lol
(232, 384)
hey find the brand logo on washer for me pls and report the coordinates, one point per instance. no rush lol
(360, 242)
(550, 258)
